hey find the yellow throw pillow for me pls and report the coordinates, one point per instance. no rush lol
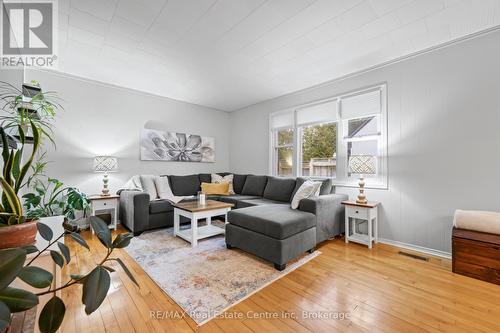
(210, 188)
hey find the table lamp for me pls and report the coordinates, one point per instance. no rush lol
(105, 164)
(362, 165)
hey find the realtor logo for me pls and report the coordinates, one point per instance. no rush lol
(28, 33)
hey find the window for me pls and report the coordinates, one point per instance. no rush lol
(283, 144)
(284, 151)
(318, 140)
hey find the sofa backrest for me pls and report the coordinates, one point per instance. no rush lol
(254, 185)
(279, 189)
(185, 185)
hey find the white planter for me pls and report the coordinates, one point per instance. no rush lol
(56, 224)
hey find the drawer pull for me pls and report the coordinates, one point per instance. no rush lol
(104, 204)
(357, 212)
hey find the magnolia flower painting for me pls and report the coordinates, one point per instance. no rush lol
(180, 147)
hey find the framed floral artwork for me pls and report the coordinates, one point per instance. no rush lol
(179, 147)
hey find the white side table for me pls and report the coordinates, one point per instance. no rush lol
(110, 202)
(357, 211)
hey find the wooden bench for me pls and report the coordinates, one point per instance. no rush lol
(476, 254)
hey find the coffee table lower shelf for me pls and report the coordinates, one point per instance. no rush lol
(202, 232)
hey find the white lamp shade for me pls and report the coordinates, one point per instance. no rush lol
(105, 164)
(362, 164)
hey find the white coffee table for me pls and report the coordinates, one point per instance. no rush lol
(195, 212)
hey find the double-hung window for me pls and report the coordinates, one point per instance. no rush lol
(319, 139)
(282, 136)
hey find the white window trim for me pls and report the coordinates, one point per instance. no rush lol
(381, 182)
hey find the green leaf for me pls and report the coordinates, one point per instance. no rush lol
(95, 289)
(45, 231)
(30, 249)
(4, 316)
(36, 277)
(65, 251)
(11, 263)
(122, 240)
(52, 315)
(17, 299)
(11, 197)
(57, 257)
(80, 240)
(102, 231)
(126, 270)
(78, 277)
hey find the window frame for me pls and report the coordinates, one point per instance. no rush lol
(341, 178)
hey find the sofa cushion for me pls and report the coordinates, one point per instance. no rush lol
(185, 185)
(279, 189)
(254, 185)
(258, 202)
(276, 221)
(205, 177)
(326, 185)
(160, 206)
(238, 183)
(237, 197)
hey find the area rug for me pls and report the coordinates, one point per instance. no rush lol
(207, 280)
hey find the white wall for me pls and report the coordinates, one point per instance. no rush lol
(101, 119)
(443, 133)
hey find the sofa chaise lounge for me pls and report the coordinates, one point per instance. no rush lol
(262, 223)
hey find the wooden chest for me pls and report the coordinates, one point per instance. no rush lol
(476, 254)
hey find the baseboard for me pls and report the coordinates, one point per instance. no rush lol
(426, 250)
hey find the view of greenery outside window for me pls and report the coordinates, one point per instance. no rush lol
(363, 136)
(318, 139)
(319, 150)
(284, 152)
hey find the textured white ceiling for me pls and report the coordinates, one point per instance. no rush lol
(228, 54)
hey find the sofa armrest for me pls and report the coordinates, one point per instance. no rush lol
(329, 213)
(134, 210)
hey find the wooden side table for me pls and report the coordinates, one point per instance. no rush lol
(110, 202)
(367, 212)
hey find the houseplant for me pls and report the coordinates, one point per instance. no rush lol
(20, 110)
(95, 283)
(15, 228)
(51, 203)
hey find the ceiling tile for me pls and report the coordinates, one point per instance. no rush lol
(383, 7)
(85, 37)
(103, 9)
(176, 18)
(220, 18)
(419, 9)
(87, 22)
(381, 25)
(311, 17)
(120, 26)
(136, 12)
(262, 20)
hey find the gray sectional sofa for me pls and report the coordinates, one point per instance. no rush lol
(262, 221)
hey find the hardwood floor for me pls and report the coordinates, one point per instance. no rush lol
(379, 291)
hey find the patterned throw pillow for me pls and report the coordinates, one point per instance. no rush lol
(218, 179)
(307, 190)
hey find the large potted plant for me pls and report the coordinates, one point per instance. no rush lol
(15, 228)
(14, 263)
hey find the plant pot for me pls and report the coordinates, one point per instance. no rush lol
(18, 235)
